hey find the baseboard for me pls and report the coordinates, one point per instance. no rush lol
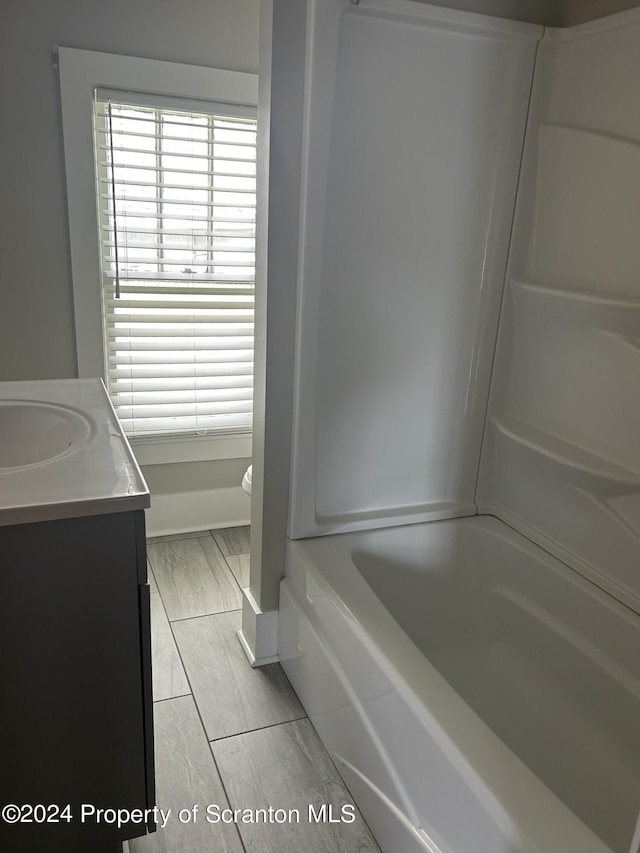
(253, 660)
(259, 633)
(184, 512)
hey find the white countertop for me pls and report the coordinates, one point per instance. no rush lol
(96, 473)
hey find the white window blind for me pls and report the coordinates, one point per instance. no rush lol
(176, 203)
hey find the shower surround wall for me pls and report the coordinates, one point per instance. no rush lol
(561, 458)
(414, 126)
(413, 139)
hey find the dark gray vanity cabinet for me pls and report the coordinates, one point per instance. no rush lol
(76, 722)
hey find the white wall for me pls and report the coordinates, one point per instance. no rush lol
(36, 314)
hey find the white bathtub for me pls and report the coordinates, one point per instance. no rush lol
(476, 695)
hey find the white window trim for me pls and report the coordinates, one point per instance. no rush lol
(81, 73)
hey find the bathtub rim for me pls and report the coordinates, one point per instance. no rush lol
(497, 775)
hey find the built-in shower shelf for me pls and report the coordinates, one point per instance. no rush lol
(618, 313)
(582, 468)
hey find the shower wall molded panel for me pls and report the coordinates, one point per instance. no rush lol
(414, 125)
(561, 455)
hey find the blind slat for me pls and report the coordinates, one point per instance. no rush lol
(198, 229)
(186, 290)
(218, 333)
(207, 344)
(200, 425)
(167, 260)
(119, 144)
(182, 201)
(144, 130)
(183, 383)
(232, 256)
(170, 118)
(167, 202)
(178, 217)
(230, 407)
(172, 320)
(182, 362)
(175, 398)
(130, 181)
(143, 275)
(148, 304)
(183, 247)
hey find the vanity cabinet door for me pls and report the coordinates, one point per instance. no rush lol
(76, 677)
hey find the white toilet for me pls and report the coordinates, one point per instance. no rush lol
(246, 480)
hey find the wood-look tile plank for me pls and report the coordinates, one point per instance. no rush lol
(239, 565)
(174, 537)
(287, 767)
(193, 578)
(153, 586)
(169, 679)
(232, 540)
(231, 696)
(186, 775)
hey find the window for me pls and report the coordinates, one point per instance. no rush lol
(176, 201)
(173, 175)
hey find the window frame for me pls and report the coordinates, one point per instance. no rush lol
(81, 72)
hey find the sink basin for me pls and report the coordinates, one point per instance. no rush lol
(63, 453)
(33, 432)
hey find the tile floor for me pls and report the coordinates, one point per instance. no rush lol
(227, 735)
